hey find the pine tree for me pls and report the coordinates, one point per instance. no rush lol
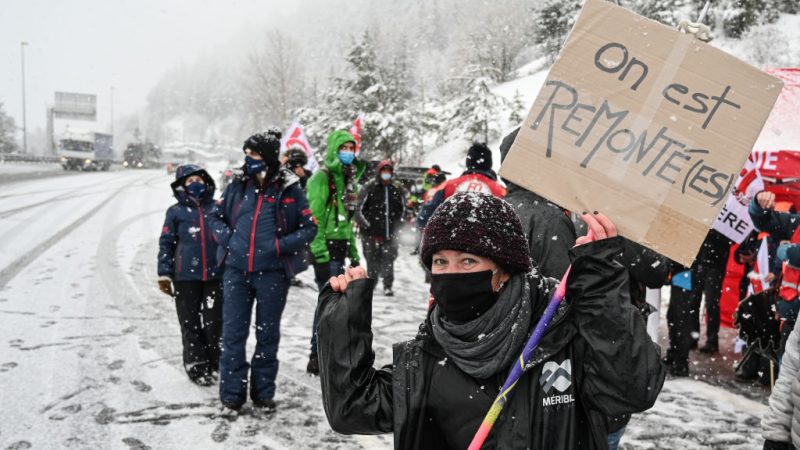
(739, 15)
(556, 18)
(379, 91)
(475, 116)
(517, 114)
(7, 131)
(667, 12)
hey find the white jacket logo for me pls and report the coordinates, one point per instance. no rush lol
(556, 375)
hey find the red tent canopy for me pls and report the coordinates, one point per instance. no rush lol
(779, 167)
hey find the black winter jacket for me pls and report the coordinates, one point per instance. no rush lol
(380, 209)
(549, 231)
(715, 250)
(596, 346)
(551, 234)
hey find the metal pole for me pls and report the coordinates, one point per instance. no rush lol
(24, 115)
(112, 110)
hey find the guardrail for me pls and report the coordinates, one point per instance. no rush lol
(36, 159)
(22, 158)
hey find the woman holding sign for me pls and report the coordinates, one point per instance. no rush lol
(594, 361)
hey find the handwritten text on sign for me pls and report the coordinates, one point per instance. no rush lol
(661, 155)
(643, 123)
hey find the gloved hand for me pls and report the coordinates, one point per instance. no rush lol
(774, 445)
(165, 284)
(782, 252)
(322, 271)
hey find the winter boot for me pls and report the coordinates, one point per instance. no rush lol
(679, 369)
(267, 406)
(313, 365)
(204, 380)
(711, 347)
(387, 291)
(231, 407)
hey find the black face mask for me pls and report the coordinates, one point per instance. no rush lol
(463, 296)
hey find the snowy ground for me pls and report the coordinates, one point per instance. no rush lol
(90, 349)
(14, 171)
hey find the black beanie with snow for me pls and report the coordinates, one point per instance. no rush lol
(266, 144)
(479, 157)
(480, 224)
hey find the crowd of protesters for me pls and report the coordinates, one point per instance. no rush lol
(492, 252)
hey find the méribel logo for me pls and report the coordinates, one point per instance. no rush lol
(555, 375)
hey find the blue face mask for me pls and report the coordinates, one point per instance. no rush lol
(347, 158)
(196, 189)
(386, 176)
(254, 166)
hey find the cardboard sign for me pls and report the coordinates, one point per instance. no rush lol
(643, 123)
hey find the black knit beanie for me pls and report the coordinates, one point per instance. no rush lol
(266, 144)
(480, 224)
(479, 157)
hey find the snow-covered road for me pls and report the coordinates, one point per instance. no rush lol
(90, 349)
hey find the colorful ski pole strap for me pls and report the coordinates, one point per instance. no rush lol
(519, 367)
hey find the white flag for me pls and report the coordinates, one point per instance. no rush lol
(758, 277)
(296, 137)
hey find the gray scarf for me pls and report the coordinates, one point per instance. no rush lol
(487, 345)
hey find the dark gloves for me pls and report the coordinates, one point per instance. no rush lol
(322, 272)
(165, 285)
(774, 445)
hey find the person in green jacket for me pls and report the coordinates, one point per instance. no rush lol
(333, 198)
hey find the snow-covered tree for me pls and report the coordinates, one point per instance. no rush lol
(555, 20)
(380, 91)
(739, 15)
(476, 115)
(517, 114)
(7, 131)
(668, 12)
(507, 30)
(274, 77)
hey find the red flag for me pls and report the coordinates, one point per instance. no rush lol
(355, 130)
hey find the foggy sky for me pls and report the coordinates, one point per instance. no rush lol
(87, 46)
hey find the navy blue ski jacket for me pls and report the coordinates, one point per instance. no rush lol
(266, 228)
(187, 249)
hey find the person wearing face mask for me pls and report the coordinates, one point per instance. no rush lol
(333, 196)
(187, 261)
(295, 159)
(594, 361)
(262, 224)
(380, 214)
(479, 177)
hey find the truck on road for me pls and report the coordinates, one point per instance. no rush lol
(85, 150)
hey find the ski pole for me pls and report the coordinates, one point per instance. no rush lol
(519, 367)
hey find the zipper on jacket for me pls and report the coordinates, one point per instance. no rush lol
(203, 243)
(253, 233)
(386, 208)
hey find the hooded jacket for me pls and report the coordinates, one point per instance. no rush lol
(469, 181)
(594, 361)
(550, 232)
(380, 207)
(263, 228)
(187, 249)
(328, 208)
(781, 423)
